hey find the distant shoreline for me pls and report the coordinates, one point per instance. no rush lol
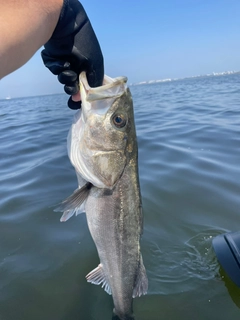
(213, 74)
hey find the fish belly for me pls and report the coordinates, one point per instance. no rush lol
(115, 222)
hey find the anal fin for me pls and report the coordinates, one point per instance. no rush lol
(96, 276)
(141, 284)
(73, 204)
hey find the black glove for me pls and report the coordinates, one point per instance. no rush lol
(74, 48)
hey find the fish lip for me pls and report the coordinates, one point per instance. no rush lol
(102, 92)
(84, 82)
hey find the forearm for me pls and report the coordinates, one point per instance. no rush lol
(25, 26)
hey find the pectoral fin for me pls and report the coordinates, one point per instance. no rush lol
(141, 284)
(73, 204)
(96, 276)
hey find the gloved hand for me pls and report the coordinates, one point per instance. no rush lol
(74, 48)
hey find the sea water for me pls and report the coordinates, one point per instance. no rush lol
(189, 165)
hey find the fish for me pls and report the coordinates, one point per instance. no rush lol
(102, 147)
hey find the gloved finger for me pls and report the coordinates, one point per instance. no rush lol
(67, 77)
(54, 65)
(71, 89)
(57, 67)
(73, 104)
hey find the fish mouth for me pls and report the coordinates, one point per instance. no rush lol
(111, 88)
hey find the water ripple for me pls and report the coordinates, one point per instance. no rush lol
(183, 266)
(188, 137)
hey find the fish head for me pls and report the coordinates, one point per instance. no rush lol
(102, 135)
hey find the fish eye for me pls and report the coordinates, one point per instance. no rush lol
(119, 120)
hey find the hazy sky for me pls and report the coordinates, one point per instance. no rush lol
(147, 40)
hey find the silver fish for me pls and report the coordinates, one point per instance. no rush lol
(102, 147)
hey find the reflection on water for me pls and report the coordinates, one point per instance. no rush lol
(189, 137)
(233, 290)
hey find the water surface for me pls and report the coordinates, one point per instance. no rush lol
(189, 156)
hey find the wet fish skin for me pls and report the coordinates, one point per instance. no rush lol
(112, 201)
(113, 228)
(115, 223)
